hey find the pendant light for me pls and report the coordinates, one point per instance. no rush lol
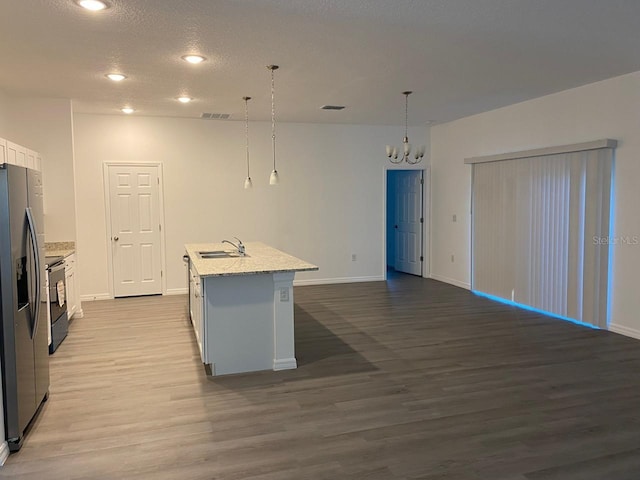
(273, 178)
(247, 183)
(392, 152)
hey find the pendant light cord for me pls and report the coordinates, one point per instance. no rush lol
(246, 129)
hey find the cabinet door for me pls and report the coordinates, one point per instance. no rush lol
(70, 280)
(16, 154)
(71, 292)
(31, 159)
(3, 151)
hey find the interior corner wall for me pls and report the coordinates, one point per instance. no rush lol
(45, 125)
(328, 206)
(606, 109)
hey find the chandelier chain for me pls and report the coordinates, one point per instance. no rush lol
(406, 115)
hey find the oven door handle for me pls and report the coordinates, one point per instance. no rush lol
(36, 259)
(57, 268)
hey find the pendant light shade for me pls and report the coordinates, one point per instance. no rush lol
(247, 182)
(273, 178)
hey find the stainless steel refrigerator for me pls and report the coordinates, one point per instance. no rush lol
(23, 308)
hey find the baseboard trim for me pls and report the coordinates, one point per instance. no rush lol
(329, 281)
(79, 313)
(98, 296)
(4, 453)
(622, 330)
(177, 291)
(285, 363)
(451, 281)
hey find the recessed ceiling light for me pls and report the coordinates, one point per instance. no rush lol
(128, 110)
(93, 5)
(116, 77)
(184, 99)
(195, 59)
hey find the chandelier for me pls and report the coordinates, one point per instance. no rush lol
(392, 152)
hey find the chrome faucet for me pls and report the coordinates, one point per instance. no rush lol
(239, 247)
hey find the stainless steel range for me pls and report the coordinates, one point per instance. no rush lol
(56, 302)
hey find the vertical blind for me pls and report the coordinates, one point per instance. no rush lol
(540, 233)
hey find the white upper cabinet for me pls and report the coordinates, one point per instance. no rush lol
(15, 154)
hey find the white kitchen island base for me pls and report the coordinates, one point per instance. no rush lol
(249, 327)
(244, 321)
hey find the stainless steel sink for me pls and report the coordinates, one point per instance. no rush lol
(207, 254)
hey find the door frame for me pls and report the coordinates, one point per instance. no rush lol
(107, 205)
(426, 214)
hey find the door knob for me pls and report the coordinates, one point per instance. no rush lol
(115, 239)
(395, 226)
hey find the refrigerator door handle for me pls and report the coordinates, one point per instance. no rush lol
(36, 255)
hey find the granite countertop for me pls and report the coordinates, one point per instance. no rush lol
(260, 258)
(59, 249)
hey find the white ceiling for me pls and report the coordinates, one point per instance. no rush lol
(460, 57)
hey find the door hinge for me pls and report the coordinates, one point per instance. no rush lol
(161, 273)
(160, 227)
(421, 258)
(158, 179)
(422, 181)
(422, 220)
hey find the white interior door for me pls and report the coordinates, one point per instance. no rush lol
(134, 196)
(409, 222)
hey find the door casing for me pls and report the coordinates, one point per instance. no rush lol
(426, 214)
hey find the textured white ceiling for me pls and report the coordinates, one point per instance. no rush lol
(460, 57)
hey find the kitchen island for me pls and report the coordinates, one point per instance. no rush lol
(241, 307)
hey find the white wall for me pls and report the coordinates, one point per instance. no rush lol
(46, 125)
(4, 99)
(607, 109)
(330, 202)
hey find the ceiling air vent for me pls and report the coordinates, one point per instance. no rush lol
(332, 107)
(215, 116)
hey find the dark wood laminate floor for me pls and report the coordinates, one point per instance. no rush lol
(411, 379)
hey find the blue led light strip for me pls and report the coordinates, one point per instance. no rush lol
(532, 309)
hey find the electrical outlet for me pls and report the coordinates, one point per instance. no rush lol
(455, 218)
(284, 294)
(453, 258)
(354, 257)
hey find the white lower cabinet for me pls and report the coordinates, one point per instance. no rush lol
(73, 303)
